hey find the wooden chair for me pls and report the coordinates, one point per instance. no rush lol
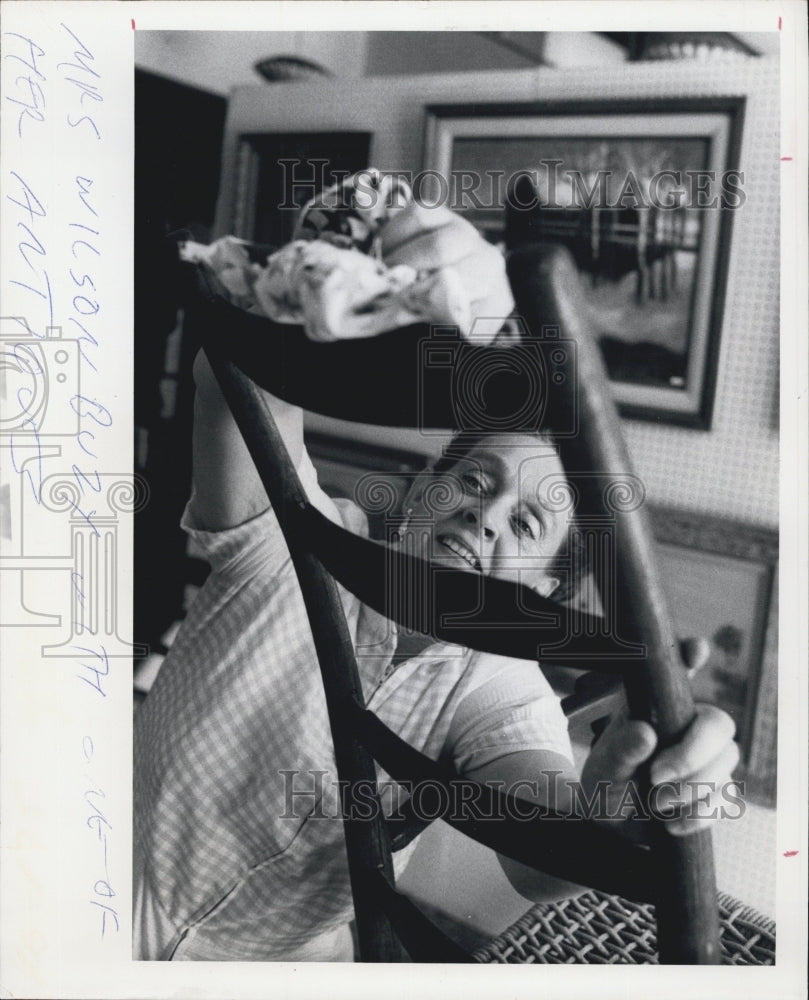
(676, 874)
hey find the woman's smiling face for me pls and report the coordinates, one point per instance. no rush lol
(500, 519)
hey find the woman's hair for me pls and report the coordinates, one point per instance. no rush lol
(570, 563)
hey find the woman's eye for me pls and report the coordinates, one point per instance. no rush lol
(472, 483)
(526, 527)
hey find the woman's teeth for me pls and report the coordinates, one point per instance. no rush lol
(458, 547)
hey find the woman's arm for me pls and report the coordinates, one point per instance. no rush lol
(688, 783)
(227, 488)
(536, 777)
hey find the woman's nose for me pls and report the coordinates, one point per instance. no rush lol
(475, 518)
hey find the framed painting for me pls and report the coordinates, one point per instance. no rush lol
(642, 193)
(720, 578)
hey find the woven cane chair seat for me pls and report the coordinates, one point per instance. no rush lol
(599, 929)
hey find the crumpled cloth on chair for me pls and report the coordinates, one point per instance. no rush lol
(361, 266)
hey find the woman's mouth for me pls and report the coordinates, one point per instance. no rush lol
(460, 549)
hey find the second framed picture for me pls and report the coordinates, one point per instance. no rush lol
(641, 193)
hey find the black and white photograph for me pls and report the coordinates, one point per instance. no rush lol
(403, 499)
